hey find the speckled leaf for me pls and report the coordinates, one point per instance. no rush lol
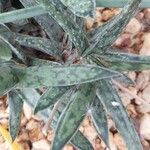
(7, 79)
(41, 44)
(108, 95)
(7, 36)
(126, 62)
(68, 24)
(81, 142)
(62, 75)
(73, 115)
(32, 61)
(5, 51)
(50, 97)
(31, 96)
(53, 30)
(103, 37)
(119, 3)
(84, 8)
(15, 112)
(99, 117)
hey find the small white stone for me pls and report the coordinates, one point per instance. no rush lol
(146, 94)
(115, 103)
(145, 127)
(133, 27)
(146, 45)
(41, 145)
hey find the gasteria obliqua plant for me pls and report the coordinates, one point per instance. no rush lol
(79, 84)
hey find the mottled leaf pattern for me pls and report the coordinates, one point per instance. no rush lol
(119, 3)
(62, 75)
(7, 79)
(50, 97)
(15, 112)
(103, 37)
(5, 51)
(31, 96)
(125, 62)
(80, 141)
(108, 95)
(51, 27)
(98, 115)
(67, 23)
(41, 44)
(73, 115)
(7, 36)
(84, 8)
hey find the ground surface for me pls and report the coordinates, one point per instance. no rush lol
(136, 39)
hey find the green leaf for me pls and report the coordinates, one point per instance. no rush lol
(8, 79)
(53, 30)
(31, 97)
(81, 142)
(119, 3)
(15, 112)
(68, 24)
(50, 97)
(108, 95)
(41, 44)
(126, 62)
(84, 8)
(21, 14)
(73, 115)
(103, 37)
(8, 36)
(33, 61)
(62, 75)
(99, 117)
(5, 51)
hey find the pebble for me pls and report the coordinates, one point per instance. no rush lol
(119, 142)
(146, 94)
(145, 50)
(143, 108)
(133, 26)
(41, 145)
(111, 142)
(68, 147)
(145, 127)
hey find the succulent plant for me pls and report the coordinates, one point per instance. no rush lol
(66, 73)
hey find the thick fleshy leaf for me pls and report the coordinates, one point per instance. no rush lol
(20, 14)
(15, 112)
(73, 115)
(7, 79)
(119, 3)
(108, 95)
(7, 36)
(61, 75)
(31, 96)
(41, 44)
(68, 24)
(52, 29)
(99, 117)
(5, 51)
(125, 62)
(50, 97)
(84, 8)
(80, 141)
(32, 61)
(103, 37)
